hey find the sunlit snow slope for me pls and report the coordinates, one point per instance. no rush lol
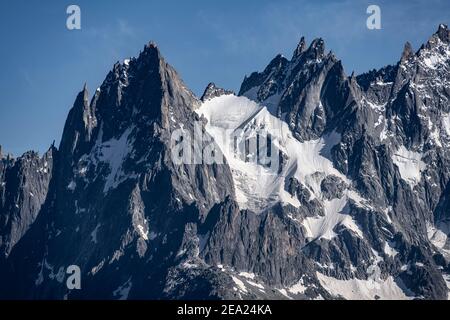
(257, 186)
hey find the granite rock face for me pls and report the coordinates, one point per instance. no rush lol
(358, 207)
(24, 184)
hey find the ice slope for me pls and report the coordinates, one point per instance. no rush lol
(257, 186)
(410, 165)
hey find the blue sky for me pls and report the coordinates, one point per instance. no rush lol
(44, 65)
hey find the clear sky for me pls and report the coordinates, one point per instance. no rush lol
(44, 65)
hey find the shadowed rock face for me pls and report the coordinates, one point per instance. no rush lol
(24, 184)
(112, 200)
(118, 200)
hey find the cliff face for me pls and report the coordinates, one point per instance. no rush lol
(24, 184)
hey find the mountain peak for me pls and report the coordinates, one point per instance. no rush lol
(151, 45)
(79, 122)
(300, 48)
(317, 49)
(151, 51)
(443, 33)
(82, 98)
(212, 91)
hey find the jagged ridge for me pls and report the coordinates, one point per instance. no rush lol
(369, 221)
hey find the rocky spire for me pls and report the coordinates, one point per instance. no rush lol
(151, 51)
(151, 45)
(82, 99)
(301, 46)
(407, 52)
(77, 123)
(317, 49)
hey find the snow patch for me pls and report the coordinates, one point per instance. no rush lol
(446, 123)
(239, 283)
(284, 293)
(438, 236)
(142, 232)
(298, 288)
(389, 249)
(188, 265)
(376, 107)
(434, 59)
(335, 214)
(257, 285)
(247, 275)
(357, 289)
(71, 186)
(409, 164)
